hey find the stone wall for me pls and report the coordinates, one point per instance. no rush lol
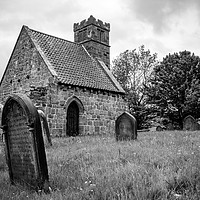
(26, 70)
(100, 110)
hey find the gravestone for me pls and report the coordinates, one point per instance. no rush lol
(126, 127)
(169, 126)
(189, 123)
(25, 150)
(45, 128)
(159, 128)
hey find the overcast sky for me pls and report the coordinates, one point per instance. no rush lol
(163, 26)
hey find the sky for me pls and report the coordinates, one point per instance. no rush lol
(162, 26)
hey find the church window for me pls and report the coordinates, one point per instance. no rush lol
(101, 35)
(82, 35)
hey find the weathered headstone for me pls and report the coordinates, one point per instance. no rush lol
(45, 128)
(169, 126)
(126, 127)
(189, 123)
(159, 128)
(25, 150)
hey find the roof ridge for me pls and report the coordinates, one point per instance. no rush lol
(51, 35)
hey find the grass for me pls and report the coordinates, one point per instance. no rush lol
(159, 165)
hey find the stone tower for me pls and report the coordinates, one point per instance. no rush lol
(94, 36)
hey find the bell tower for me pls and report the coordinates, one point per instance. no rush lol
(94, 36)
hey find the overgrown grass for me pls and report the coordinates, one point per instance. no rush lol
(159, 165)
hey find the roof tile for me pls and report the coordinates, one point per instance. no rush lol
(72, 63)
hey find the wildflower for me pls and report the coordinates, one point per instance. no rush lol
(177, 195)
(179, 151)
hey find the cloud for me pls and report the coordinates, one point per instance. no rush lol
(157, 12)
(163, 26)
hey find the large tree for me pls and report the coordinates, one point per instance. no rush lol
(175, 87)
(133, 69)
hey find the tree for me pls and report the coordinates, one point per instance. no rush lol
(175, 86)
(133, 69)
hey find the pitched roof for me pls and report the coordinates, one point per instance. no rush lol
(72, 64)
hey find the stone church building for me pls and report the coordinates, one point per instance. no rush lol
(70, 81)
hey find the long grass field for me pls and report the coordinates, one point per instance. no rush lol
(158, 165)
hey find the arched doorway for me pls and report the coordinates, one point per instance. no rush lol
(72, 126)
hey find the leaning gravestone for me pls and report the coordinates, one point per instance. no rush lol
(45, 128)
(25, 150)
(126, 127)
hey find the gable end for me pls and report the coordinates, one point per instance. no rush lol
(26, 68)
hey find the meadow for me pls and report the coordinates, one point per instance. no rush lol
(158, 165)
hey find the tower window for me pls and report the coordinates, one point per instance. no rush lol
(101, 35)
(82, 35)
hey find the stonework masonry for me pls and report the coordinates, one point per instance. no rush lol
(27, 73)
(94, 36)
(26, 70)
(98, 112)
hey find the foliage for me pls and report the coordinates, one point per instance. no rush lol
(133, 70)
(175, 86)
(159, 165)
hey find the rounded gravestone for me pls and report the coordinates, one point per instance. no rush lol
(25, 150)
(126, 127)
(189, 123)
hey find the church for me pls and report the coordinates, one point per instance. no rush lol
(71, 82)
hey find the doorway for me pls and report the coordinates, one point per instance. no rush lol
(72, 127)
